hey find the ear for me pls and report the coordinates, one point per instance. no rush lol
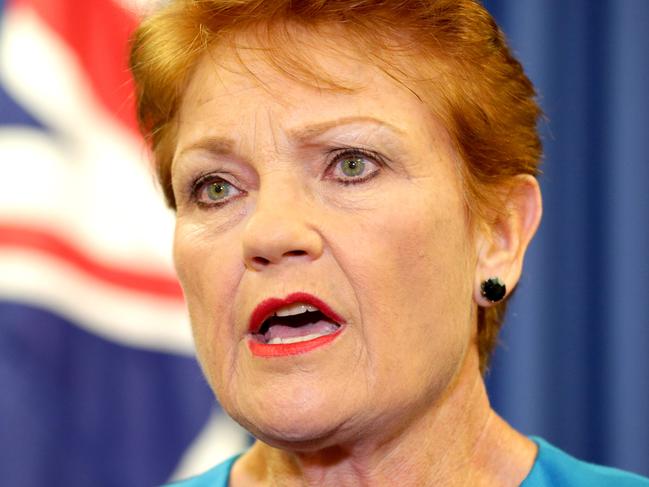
(501, 243)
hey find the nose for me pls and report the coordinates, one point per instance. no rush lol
(280, 229)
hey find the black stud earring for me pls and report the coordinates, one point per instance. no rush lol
(493, 289)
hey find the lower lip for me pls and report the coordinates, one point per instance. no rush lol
(266, 350)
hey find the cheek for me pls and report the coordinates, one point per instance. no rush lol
(418, 250)
(208, 270)
(413, 280)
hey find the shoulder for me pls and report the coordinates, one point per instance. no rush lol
(556, 468)
(215, 477)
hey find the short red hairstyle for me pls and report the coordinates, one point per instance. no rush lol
(450, 53)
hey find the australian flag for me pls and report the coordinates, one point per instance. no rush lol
(98, 382)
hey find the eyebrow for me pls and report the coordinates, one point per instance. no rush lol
(220, 145)
(307, 133)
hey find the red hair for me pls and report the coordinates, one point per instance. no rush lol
(450, 53)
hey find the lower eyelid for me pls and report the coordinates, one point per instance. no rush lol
(351, 181)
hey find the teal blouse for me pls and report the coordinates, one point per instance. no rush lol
(552, 468)
(555, 468)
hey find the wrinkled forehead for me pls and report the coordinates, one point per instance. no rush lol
(327, 57)
(242, 61)
(326, 66)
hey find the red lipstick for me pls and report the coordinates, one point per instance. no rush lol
(266, 308)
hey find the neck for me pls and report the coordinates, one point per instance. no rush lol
(458, 441)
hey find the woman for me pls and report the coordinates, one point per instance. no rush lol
(354, 187)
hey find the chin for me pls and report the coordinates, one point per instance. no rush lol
(293, 434)
(293, 425)
(297, 441)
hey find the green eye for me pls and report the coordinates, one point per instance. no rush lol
(217, 190)
(352, 166)
(355, 166)
(212, 190)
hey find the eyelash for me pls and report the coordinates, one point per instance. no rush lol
(335, 157)
(338, 155)
(200, 184)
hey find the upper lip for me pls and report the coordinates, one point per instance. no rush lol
(267, 307)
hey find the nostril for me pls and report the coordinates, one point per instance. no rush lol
(261, 261)
(295, 253)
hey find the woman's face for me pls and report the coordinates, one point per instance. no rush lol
(353, 198)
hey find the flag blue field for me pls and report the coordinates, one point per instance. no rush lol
(99, 383)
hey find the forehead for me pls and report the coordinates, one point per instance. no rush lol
(239, 82)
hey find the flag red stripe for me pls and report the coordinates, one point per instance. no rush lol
(97, 31)
(48, 243)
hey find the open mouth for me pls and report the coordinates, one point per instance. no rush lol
(300, 317)
(293, 328)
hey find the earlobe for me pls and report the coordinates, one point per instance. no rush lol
(503, 242)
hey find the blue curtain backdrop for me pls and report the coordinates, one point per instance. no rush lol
(574, 361)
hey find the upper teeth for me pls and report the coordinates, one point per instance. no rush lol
(294, 309)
